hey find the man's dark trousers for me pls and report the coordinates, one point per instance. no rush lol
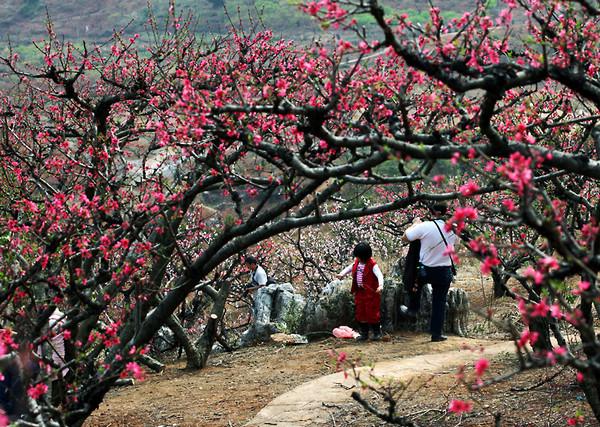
(440, 279)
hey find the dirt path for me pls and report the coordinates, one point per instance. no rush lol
(236, 386)
(309, 403)
(246, 387)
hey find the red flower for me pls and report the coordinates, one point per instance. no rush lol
(460, 406)
(37, 391)
(481, 366)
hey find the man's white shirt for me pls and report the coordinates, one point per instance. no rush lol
(259, 276)
(433, 250)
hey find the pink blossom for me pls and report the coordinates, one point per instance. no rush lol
(135, 370)
(508, 204)
(548, 263)
(560, 351)
(575, 421)
(343, 46)
(473, 61)
(458, 219)
(488, 263)
(532, 273)
(527, 337)
(481, 366)
(583, 285)
(6, 342)
(518, 171)
(448, 49)
(364, 47)
(541, 309)
(312, 8)
(460, 406)
(4, 421)
(556, 312)
(282, 87)
(35, 392)
(469, 188)
(505, 17)
(529, 138)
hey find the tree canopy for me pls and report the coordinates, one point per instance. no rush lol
(111, 153)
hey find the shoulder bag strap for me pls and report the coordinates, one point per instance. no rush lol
(446, 243)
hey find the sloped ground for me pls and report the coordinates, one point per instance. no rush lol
(310, 404)
(234, 388)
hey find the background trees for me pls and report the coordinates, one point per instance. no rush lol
(110, 155)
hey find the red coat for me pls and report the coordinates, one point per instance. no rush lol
(367, 302)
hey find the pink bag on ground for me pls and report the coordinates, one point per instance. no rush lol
(345, 332)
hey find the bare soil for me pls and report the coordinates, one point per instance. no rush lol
(235, 386)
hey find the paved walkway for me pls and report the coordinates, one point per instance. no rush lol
(307, 404)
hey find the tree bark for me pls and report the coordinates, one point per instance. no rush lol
(206, 341)
(590, 387)
(194, 361)
(152, 363)
(499, 284)
(542, 327)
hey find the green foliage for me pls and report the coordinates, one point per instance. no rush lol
(388, 168)
(423, 16)
(229, 220)
(292, 319)
(419, 17)
(450, 15)
(491, 4)
(565, 289)
(30, 9)
(275, 13)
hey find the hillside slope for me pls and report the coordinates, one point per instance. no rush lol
(95, 21)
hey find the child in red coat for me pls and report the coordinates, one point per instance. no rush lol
(367, 284)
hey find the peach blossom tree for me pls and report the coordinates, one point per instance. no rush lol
(137, 173)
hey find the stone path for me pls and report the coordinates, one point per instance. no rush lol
(307, 404)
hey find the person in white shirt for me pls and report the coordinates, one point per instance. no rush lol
(436, 265)
(367, 284)
(258, 277)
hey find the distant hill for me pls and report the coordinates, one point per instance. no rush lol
(95, 20)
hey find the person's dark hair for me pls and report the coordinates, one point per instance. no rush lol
(363, 251)
(250, 260)
(439, 208)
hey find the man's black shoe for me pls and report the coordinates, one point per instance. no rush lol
(362, 337)
(438, 339)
